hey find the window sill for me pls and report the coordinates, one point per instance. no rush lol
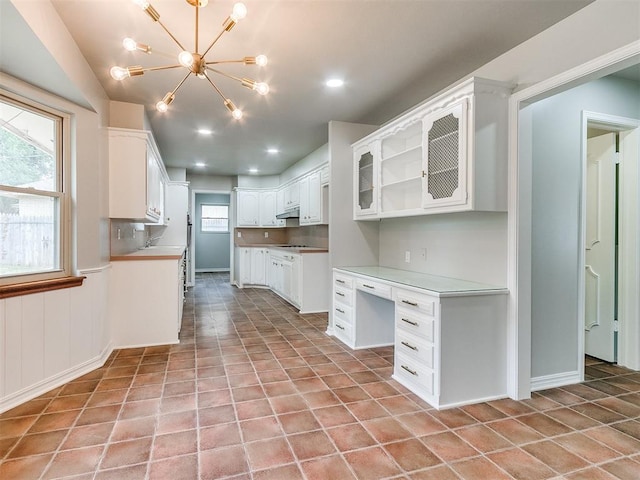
(27, 288)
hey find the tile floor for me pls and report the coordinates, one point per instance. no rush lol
(256, 391)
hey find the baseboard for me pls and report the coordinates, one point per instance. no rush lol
(37, 389)
(144, 345)
(555, 380)
(211, 270)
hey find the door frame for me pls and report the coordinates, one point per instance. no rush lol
(520, 201)
(614, 124)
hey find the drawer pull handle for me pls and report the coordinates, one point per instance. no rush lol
(412, 372)
(340, 281)
(406, 344)
(368, 286)
(413, 304)
(340, 294)
(340, 310)
(339, 326)
(415, 324)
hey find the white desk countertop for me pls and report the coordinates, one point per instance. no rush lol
(443, 286)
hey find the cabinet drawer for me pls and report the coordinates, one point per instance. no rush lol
(415, 323)
(375, 288)
(343, 295)
(414, 373)
(342, 312)
(414, 347)
(343, 330)
(416, 302)
(343, 281)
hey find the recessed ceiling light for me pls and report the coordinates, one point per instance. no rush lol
(273, 151)
(200, 165)
(253, 170)
(205, 131)
(334, 82)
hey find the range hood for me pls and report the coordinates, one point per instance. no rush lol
(293, 213)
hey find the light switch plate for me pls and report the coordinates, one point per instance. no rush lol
(407, 256)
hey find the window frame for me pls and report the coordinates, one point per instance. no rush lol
(62, 193)
(202, 217)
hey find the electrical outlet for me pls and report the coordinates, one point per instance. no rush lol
(266, 234)
(407, 256)
(239, 234)
(118, 233)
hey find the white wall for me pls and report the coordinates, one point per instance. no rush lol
(211, 182)
(557, 182)
(471, 246)
(316, 158)
(48, 338)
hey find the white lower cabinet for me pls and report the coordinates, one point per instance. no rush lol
(449, 343)
(146, 300)
(251, 266)
(300, 278)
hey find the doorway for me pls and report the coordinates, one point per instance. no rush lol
(211, 231)
(610, 200)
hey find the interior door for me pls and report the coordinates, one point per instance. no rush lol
(600, 274)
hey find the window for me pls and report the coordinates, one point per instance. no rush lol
(33, 197)
(214, 218)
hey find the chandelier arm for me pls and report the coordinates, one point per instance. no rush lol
(232, 77)
(216, 62)
(166, 67)
(173, 92)
(215, 40)
(215, 87)
(197, 24)
(171, 35)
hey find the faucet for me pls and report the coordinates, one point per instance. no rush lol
(149, 241)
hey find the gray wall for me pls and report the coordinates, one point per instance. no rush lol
(212, 249)
(557, 126)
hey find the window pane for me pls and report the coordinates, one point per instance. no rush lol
(27, 148)
(215, 211)
(29, 238)
(215, 218)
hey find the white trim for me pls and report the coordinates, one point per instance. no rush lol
(37, 389)
(556, 380)
(89, 271)
(211, 270)
(519, 216)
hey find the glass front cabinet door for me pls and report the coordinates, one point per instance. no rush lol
(445, 157)
(365, 178)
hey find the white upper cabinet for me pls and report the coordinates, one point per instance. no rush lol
(136, 180)
(365, 175)
(248, 208)
(268, 209)
(448, 154)
(292, 196)
(311, 199)
(257, 208)
(445, 157)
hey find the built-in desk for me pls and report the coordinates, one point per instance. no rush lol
(449, 335)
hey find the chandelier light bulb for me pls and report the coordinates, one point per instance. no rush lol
(130, 44)
(262, 60)
(185, 59)
(143, 4)
(261, 88)
(119, 73)
(237, 114)
(239, 12)
(163, 105)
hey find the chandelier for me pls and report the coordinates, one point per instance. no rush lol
(194, 62)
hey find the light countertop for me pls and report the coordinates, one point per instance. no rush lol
(443, 286)
(287, 248)
(156, 252)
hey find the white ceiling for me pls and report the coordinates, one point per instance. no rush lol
(392, 54)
